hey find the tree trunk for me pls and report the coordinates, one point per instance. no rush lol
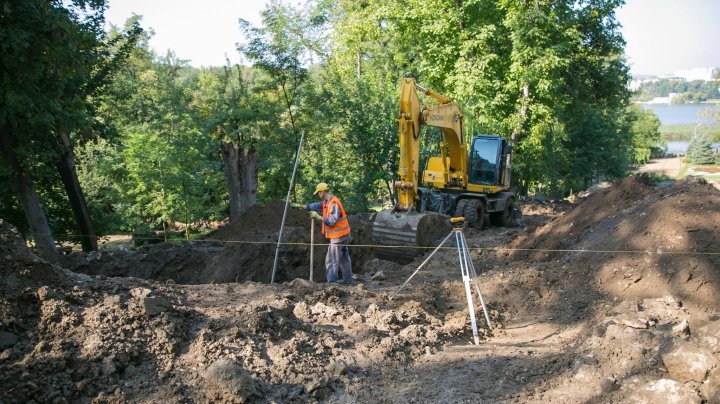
(523, 113)
(241, 169)
(232, 177)
(391, 194)
(248, 169)
(25, 190)
(81, 213)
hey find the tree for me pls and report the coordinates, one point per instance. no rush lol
(168, 167)
(570, 55)
(700, 150)
(644, 126)
(231, 115)
(50, 60)
(280, 49)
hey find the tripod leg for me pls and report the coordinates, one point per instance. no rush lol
(464, 269)
(421, 265)
(477, 283)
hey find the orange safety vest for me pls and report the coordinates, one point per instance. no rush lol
(341, 227)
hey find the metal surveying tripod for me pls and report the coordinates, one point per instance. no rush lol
(466, 269)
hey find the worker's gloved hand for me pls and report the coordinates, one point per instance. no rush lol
(297, 206)
(315, 215)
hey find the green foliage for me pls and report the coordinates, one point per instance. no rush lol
(687, 131)
(370, 145)
(160, 168)
(688, 91)
(99, 170)
(700, 150)
(56, 61)
(280, 50)
(549, 75)
(646, 134)
(569, 128)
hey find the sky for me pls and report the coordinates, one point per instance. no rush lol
(204, 32)
(663, 36)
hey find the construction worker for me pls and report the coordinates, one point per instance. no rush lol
(336, 228)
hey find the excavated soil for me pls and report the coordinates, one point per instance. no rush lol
(611, 298)
(240, 251)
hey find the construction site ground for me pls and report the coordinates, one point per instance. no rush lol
(613, 296)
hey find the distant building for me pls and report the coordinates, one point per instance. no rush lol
(698, 73)
(664, 100)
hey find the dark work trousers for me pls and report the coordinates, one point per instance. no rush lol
(338, 257)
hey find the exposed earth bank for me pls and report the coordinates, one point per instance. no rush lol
(614, 297)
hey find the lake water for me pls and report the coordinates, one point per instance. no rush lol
(677, 146)
(682, 114)
(680, 146)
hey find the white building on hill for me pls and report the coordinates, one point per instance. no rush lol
(663, 100)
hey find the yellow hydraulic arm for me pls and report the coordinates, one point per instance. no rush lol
(445, 115)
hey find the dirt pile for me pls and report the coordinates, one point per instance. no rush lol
(259, 222)
(631, 272)
(21, 269)
(67, 337)
(635, 240)
(636, 319)
(123, 339)
(237, 252)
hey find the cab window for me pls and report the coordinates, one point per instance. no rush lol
(483, 160)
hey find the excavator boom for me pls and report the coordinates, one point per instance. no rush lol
(445, 115)
(403, 227)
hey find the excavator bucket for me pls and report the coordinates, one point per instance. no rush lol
(400, 237)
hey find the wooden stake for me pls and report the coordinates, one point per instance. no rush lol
(312, 246)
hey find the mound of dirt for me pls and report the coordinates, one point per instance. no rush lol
(630, 271)
(243, 250)
(599, 205)
(20, 269)
(259, 222)
(638, 241)
(124, 339)
(627, 312)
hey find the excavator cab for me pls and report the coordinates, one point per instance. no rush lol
(488, 160)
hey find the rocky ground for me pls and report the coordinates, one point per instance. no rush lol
(613, 297)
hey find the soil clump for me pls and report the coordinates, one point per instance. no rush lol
(610, 298)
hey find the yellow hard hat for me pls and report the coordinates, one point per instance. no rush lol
(321, 187)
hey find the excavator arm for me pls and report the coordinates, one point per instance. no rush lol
(445, 115)
(403, 228)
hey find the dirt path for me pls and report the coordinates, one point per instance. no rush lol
(669, 167)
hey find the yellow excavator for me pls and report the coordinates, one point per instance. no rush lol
(473, 184)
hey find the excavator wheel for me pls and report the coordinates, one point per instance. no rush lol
(504, 218)
(475, 213)
(460, 208)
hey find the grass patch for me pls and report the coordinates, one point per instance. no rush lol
(686, 132)
(658, 178)
(703, 171)
(179, 238)
(683, 170)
